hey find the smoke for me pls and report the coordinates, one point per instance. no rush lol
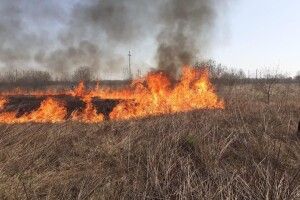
(95, 32)
(11, 34)
(186, 27)
(98, 33)
(118, 21)
(61, 60)
(23, 29)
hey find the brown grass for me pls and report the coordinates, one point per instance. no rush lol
(247, 151)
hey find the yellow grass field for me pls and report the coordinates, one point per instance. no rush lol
(249, 150)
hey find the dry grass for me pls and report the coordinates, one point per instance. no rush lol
(248, 151)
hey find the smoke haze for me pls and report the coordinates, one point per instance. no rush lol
(94, 33)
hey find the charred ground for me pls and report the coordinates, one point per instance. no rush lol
(27, 104)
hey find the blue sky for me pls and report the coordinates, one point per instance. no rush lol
(262, 34)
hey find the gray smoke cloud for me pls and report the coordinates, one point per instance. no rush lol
(61, 60)
(23, 29)
(12, 34)
(186, 26)
(92, 32)
(95, 31)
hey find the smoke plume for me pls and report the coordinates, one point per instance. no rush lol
(186, 26)
(97, 33)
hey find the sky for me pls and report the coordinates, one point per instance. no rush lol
(262, 34)
(253, 35)
(249, 34)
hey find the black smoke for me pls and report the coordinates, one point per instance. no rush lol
(186, 27)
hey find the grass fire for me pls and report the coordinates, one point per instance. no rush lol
(142, 100)
(153, 95)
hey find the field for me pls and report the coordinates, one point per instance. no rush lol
(249, 150)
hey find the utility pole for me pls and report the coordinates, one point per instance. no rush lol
(129, 66)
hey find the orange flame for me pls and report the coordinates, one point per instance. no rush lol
(89, 114)
(154, 94)
(3, 101)
(50, 111)
(79, 91)
(194, 91)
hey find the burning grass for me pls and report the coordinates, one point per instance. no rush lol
(155, 94)
(247, 151)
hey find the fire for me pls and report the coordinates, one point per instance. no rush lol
(194, 91)
(155, 94)
(3, 101)
(89, 114)
(79, 91)
(50, 111)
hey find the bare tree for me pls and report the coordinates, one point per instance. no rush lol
(297, 78)
(33, 77)
(82, 74)
(215, 70)
(266, 84)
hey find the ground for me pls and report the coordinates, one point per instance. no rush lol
(249, 150)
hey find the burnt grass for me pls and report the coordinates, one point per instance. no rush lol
(250, 150)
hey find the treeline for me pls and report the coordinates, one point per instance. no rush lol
(39, 79)
(219, 74)
(222, 74)
(265, 83)
(39, 76)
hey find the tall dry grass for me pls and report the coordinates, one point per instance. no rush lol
(247, 151)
